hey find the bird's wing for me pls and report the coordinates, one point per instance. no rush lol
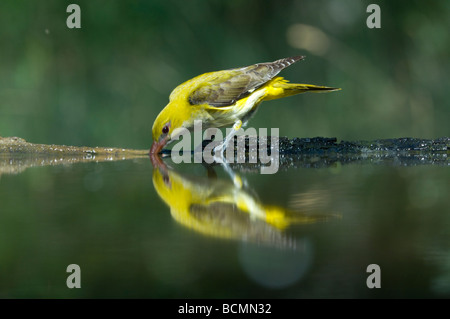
(232, 85)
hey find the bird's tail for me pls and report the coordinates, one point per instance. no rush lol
(279, 87)
(282, 218)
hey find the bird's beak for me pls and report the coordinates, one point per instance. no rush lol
(157, 146)
(156, 160)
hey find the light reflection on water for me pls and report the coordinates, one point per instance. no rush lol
(189, 232)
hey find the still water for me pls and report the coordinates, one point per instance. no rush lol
(188, 231)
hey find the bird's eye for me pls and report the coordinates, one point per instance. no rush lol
(165, 129)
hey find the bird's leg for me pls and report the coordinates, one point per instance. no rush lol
(220, 158)
(219, 149)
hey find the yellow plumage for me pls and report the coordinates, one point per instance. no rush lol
(225, 98)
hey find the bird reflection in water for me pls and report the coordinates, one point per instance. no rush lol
(222, 208)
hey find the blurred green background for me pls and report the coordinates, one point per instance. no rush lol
(105, 83)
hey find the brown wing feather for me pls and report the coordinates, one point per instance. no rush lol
(235, 84)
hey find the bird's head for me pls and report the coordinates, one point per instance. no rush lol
(163, 128)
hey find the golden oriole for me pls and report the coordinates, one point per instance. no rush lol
(225, 98)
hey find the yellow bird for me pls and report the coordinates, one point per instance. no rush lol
(225, 98)
(217, 207)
